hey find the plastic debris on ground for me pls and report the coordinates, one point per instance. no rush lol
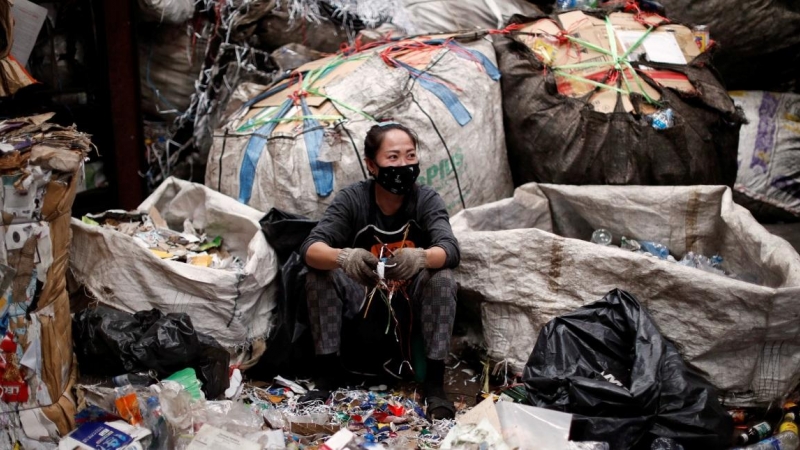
(711, 264)
(177, 415)
(151, 231)
(392, 419)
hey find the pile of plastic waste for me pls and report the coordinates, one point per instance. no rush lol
(773, 428)
(376, 415)
(189, 245)
(174, 414)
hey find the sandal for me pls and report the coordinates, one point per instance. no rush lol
(439, 408)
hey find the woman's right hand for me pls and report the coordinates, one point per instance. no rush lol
(359, 265)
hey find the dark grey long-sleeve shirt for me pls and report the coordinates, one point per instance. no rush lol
(350, 210)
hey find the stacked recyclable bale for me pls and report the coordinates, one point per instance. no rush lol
(41, 167)
(609, 97)
(294, 144)
(768, 181)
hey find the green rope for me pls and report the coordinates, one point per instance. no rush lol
(312, 77)
(592, 82)
(619, 63)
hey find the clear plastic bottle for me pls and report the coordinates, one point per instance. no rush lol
(655, 249)
(575, 4)
(154, 420)
(787, 440)
(601, 236)
(565, 4)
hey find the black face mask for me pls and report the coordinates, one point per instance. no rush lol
(397, 179)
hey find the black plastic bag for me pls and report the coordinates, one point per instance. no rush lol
(608, 364)
(285, 232)
(110, 342)
(290, 348)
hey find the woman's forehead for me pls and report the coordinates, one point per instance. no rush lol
(396, 140)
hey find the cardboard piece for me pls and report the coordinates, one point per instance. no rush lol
(108, 436)
(13, 76)
(484, 410)
(672, 44)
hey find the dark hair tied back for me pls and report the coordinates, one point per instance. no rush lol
(376, 134)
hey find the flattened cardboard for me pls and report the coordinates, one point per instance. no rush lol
(594, 30)
(541, 26)
(673, 80)
(13, 76)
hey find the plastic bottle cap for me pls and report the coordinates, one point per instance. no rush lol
(788, 426)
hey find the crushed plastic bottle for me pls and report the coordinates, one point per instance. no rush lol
(134, 379)
(787, 440)
(630, 244)
(127, 404)
(155, 421)
(655, 249)
(662, 119)
(601, 236)
(562, 5)
(711, 265)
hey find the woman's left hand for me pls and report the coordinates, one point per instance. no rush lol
(406, 263)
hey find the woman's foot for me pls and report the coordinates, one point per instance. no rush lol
(439, 407)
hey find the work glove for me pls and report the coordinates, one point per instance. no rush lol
(359, 265)
(405, 263)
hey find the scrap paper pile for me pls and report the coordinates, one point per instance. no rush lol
(40, 165)
(151, 231)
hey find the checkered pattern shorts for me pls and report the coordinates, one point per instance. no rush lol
(332, 294)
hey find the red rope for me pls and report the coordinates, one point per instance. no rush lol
(299, 93)
(509, 29)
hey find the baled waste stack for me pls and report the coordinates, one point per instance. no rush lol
(765, 56)
(441, 16)
(189, 250)
(293, 145)
(758, 46)
(41, 167)
(768, 181)
(528, 260)
(613, 98)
